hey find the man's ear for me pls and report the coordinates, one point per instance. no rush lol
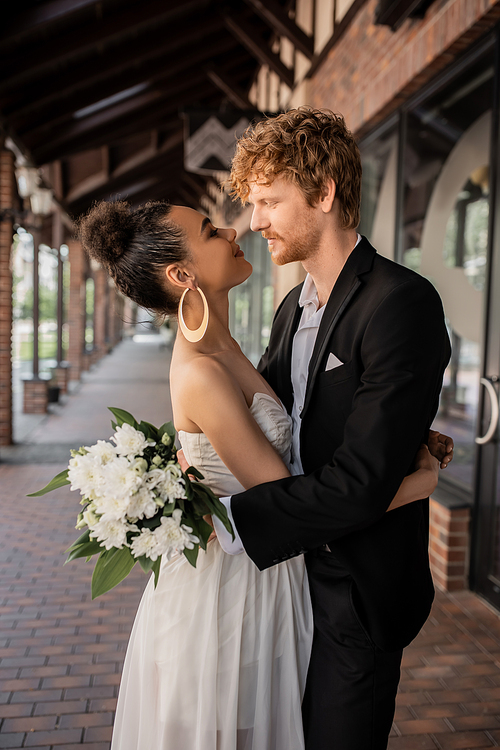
(328, 192)
(180, 277)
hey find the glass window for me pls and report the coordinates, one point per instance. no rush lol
(378, 191)
(445, 235)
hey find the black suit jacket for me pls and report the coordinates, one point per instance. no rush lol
(362, 424)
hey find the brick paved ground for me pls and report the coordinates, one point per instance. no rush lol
(61, 654)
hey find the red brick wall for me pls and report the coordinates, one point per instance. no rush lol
(372, 70)
(449, 546)
(6, 201)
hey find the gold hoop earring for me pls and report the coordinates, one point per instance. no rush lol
(198, 333)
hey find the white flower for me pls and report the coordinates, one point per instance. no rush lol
(89, 516)
(153, 477)
(145, 544)
(129, 441)
(119, 479)
(85, 475)
(142, 504)
(172, 536)
(171, 485)
(139, 466)
(111, 533)
(102, 451)
(115, 507)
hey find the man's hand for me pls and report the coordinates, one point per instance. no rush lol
(441, 447)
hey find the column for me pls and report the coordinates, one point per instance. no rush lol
(6, 231)
(76, 309)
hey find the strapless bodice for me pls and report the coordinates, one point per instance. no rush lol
(274, 422)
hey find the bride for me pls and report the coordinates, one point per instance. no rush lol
(218, 654)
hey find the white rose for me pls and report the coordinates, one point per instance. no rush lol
(139, 466)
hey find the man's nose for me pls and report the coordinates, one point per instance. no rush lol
(259, 221)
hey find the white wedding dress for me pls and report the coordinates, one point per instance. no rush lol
(218, 654)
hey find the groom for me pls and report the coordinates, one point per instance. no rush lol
(357, 354)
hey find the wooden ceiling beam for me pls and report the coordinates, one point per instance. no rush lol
(161, 190)
(277, 18)
(63, 143)
(148, 50)
(171, 86)
(49, 108)
(40, 15)
(71, 42)
(251, 38)
(199, 186)
(143, 163)
(228, 85)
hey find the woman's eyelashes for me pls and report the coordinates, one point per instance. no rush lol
(214, 232)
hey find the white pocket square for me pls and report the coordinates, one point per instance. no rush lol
(332, 362)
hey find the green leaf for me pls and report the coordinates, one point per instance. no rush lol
(150, 432)
(146, 563)
(191, 555)
(156, 569)
(168, 509)
(168, 428)
(216, 507)
(86, 550)
(202, 529)
(123, 416)
(111, 567)
(59, 481)
(194, 472)
(113, 425)
(82, 539)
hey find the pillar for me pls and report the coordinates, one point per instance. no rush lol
(7, 189)
(76, 309)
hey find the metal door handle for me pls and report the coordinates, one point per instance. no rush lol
(494, 413)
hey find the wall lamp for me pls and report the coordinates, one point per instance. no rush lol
(29, 186)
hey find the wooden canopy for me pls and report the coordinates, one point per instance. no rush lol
(94, 92)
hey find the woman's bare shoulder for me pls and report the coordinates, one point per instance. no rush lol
(203, 379)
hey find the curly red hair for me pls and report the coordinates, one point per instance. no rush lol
(306, 146)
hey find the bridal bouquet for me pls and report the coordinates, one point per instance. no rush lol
(138, 504)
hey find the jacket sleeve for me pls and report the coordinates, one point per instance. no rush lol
(404, 351)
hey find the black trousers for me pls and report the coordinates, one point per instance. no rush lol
(351, 684)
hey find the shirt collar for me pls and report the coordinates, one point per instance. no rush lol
(309, 295)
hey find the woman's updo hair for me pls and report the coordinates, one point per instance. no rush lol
(135, 246)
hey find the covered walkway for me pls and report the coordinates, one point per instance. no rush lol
(61, 654)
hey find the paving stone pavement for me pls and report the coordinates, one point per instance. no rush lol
(61, 653)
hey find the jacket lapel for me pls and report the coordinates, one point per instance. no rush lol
(360, 261)
(284, 359)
